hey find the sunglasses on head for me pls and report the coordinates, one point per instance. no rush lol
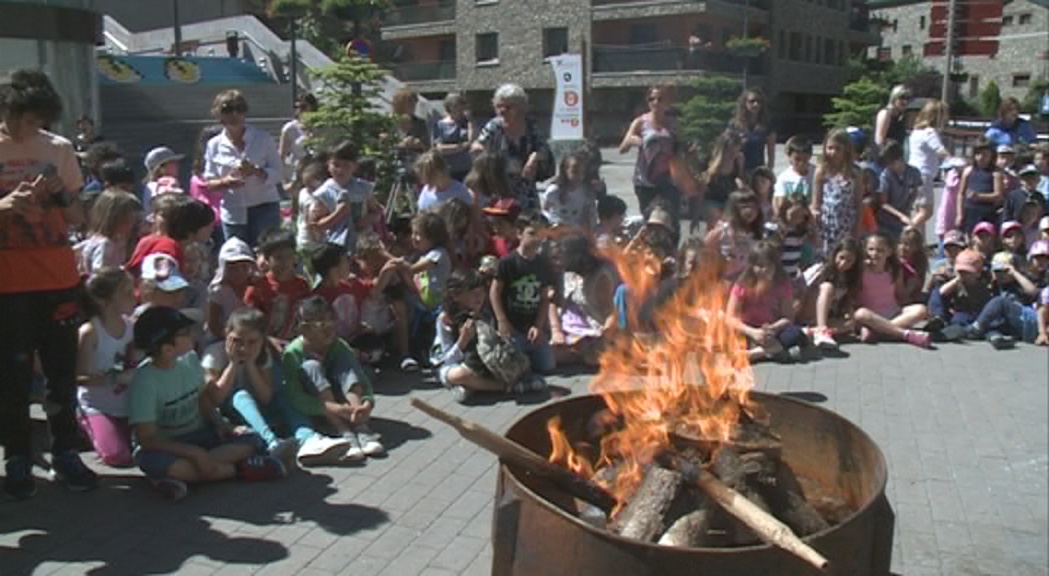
(231, 107)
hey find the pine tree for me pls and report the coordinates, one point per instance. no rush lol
(705, 115)
(990, 99)
(857, 105)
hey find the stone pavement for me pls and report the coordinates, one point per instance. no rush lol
(964, 430)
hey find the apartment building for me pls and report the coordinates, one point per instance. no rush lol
(471, 46)
(1006, 41)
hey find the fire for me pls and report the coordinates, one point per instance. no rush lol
(688, 373)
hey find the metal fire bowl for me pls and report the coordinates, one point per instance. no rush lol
(533, 535)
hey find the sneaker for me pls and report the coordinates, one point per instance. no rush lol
(408, 364)
(935, 324)
(353, 453)
(973, 332)
(530, 383)
(460, 394)
(824, 340)
(867, 336)
(171, 489)
(953, 333)
(284, 450)
(19, 483)
(1001, 341)
(261, 468)
(917, 338)
(369, 441)
(71, 469)
(796, 355)
(319, 450)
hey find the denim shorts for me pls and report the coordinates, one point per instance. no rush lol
(156, 463)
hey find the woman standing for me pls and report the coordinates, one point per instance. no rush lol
(724, 176)
(39, 183)
(514, 135)
(753, 124)
(655, 136)
(244, 163)
(293, 136)
(1009, 129)
(452, 136)
(889, 123)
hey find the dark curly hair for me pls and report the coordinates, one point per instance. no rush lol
(432, 227)
(30, 92)
(187, 218)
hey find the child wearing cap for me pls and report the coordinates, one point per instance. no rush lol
(955, 301)
(502, 218)
(324, 380)
(161, 284)
(235, 274)
(1013, 313)
(278, 292)
(985, 241)
(162, 166)
(1006, 158)
(179, 435)
(1014, 240)
(178, 220)
(1026, 194)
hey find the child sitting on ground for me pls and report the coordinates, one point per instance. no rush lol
(879, 311)
(1014, 241)
(324, 380)
(762, 306)
(278, 292)
(162, 284)
(985, 241)
(611, 212)
(958, 297)
(249, 385)
(105, 364)
(180, 436)
(914, 263)
(502, 219)
(733, 237)
(391, 300)
(346, 295)
(114, 218)
(179, 221)
(431, 270)
(1013, 314)
(520, 294)
(838, 283)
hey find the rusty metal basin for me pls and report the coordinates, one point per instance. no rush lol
(533, 534)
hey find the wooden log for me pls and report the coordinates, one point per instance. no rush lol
(645, 517)
(733, 470)
(788, 502)
(513, 453)
(688, 531)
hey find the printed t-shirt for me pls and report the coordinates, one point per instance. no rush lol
(523, 283)
(347, 300)
(167, 398)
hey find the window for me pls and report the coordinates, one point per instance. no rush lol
(907, 50)
(781, 46)
(884, 54)
(447, 50)
(921, 23)
(796, 46)
(808, 48)
(974, 86)
(1007, 20)
(555, 41)
(817, 57)
(1021, 80)
(643, 34)
(842, 54)
(487, 48)
(1025, 19)
(828, 52)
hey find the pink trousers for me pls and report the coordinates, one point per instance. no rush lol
(110, 436)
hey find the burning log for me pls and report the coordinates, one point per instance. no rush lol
(788, 501)
(645, 517)
(514, 453)
(731, 469)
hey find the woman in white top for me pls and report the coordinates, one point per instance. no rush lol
(243, 161)
(293, 136)
(925, 148)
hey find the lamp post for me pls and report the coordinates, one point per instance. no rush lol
(177, 27)
(294, 63)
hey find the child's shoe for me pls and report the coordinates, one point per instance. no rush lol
(954, 333)
(409, 364)
(319, 450)
(917, 338)
(354, 452)
(70, 468)
(1001, 341)
(19, 483)
(460, 394)
(369, 441)
(824, 340)
(529, 383)
(284, 450)
(171, 489)
(261, 468)
(867, 336)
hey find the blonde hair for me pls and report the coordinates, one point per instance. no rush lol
(840, 137)
(933, 114)
(402, 99)
(428, 165)
(111, 209)
(227, 97)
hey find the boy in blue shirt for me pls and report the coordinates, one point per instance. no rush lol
(900, 193)
(346, 197)
(179, 435)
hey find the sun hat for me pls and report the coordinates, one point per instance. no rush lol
(232, 250)
(1043, 224)
(1002, 260)
(159, 156)
(969, 261)
(1011, 226)
(1028, 170)
(157, 325)
(1039, 248)
(985, 227)
(954, 238)
(1005, 149)
(162, 270)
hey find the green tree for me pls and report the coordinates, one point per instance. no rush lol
(1032, 102)
(990, 99)
(706, 113)
(349, 92)
(327, 23)
(857, 105)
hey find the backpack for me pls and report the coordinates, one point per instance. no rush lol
(504, 360)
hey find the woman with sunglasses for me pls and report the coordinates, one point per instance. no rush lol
(244, 163)
(655, 136)
(889, 124)
(753, 123)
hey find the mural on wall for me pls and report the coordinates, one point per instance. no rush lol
(159, 69)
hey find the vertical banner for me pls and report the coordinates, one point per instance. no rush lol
(567, 120)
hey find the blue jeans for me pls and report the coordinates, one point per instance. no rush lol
(156, 463)
(260, 218)
(790, 336)
(245, 404)
(1004, 312)
(541, 353)
(938, 309)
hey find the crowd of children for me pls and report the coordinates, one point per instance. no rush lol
(201, 361)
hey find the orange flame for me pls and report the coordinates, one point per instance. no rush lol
(682, 369)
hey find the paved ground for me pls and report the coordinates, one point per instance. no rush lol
(965, 431)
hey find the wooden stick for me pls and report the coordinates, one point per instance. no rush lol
(514, 453)
(767, 527)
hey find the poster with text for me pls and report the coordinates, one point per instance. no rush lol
(567, 120)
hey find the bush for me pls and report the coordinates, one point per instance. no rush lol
(990, 99)
(857, 105)
(705, 115)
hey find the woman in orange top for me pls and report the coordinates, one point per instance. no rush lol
(39, 181)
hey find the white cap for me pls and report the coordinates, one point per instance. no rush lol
(159, 156)
(1043, 224)
(163, 271)
(233, 250)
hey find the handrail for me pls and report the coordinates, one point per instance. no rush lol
(112, 39)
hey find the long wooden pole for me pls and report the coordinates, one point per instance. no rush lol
(514, 453)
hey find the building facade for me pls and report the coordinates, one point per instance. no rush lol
(59, 37)
(1018, 55)
(472, 46)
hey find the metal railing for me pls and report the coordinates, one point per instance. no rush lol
(759, 4)
(442, 11)
(423, 71)
(666, 57)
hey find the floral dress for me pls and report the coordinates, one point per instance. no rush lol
(838, 216)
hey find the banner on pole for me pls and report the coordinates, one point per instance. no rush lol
(567, 120)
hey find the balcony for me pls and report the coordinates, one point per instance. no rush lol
(417, 14)
(700, 6)
(437, 70)
(665, 57)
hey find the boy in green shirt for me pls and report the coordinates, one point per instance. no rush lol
(325, 380)
(179, 435)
